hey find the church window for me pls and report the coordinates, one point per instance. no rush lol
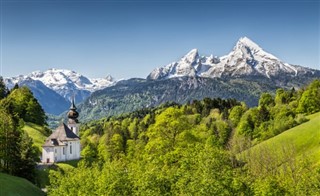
(70, 149)
(63, 150)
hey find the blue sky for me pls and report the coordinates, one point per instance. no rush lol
(130, 38)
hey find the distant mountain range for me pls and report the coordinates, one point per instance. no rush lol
(55, 88)
(244, 74)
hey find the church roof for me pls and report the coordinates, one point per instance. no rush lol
(60, 136)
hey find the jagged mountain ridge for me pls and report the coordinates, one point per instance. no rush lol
(246, 58)
(65, 83)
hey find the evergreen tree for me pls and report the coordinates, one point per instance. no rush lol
(17, 155)
(3, 89)
(28, 157)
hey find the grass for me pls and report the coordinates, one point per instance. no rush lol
(15, 186)
(35, 132)
(42, 175)
(303, 139)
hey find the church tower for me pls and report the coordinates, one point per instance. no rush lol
(73, 122)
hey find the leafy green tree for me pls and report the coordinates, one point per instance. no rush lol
(249, 121)
(89, 153)
(9, 140)
(168, 125)
(133, 129)
(28, 157)
(18, 156)
(310, 100)
(22, 104)
(282, 97)
(266, 100)
(235, 114)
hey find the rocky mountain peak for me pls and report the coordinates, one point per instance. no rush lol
(246, 42)
(191, 56)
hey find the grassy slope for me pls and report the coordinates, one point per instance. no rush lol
(42, 175)
(11, 185)
(305, 139)
(34, 131)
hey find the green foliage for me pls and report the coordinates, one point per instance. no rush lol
(3, 89)
(37, 133)
(167, 128)
(310, 99)
(235, 114)
(18, 156)
(272, 117)
(28, 157)
(266, 100)
(22, 105)
(287, 164)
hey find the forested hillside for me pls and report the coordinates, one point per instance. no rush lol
(134, 94)
(194, 149)
(18, 155)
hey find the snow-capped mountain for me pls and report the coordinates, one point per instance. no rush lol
(246, 59)
(66, 83)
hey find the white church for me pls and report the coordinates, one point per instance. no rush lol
(64, 143)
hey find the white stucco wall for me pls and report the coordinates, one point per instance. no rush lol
(75, 154)
(48, 154)
(55, 154)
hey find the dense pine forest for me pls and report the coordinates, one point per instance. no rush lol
(200, 148)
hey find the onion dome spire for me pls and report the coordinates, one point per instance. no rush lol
(73, 114)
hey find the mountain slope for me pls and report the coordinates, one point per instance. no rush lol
(36, 132)
(246, 59)
(133, 94)
(12, 185)
(302, 139)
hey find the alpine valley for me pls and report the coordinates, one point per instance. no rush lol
(243, 74)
